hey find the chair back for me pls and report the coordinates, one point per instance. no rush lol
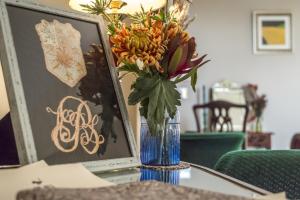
(205, 149)
(219, 118)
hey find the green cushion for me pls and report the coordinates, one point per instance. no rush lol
(275, 171)
(211, 135)
(206, 149)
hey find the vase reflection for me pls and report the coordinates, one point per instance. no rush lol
(166, 176)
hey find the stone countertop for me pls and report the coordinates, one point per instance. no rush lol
(133, 191)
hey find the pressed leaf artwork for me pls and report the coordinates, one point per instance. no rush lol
(69, 100)
(62, 51)
(75, 127)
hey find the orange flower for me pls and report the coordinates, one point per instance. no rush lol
(174, 29)
(140, 42)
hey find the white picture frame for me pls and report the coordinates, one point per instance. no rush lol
(26, 140)
(272, 32)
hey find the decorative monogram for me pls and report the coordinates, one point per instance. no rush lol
(75, 127)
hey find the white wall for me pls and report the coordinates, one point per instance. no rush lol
(4, 107)
(223, 29)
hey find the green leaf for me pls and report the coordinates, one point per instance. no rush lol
(111, 29)
(175, 60)
(128, 67)
(163, 15)
(156, 18)
(156, 106)
(194, 80)
(142, 8)
(142, 88)
(157, 96)
(144, 107)
(139, 17)
(188, 75)
(97, 7)
(171, 97)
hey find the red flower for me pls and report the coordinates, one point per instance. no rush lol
(182, 58)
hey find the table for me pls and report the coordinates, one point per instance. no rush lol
(259, 140)
(196, 177)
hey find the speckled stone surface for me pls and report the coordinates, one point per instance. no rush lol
(133, 191)
(182, 165)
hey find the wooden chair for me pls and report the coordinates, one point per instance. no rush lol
(206, 148)
(219, 118)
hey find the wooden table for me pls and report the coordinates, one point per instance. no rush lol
(259, 140)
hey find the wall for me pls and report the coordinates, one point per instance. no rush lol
(4, 107)
(223, 29)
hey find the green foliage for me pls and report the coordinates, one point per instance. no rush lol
(157, 96)
(131, 68)
(139, 17)
(161, 16)
(128, 67)
(194, 78)
(155, 91)
(100, 7)
(97, 7)
(191, 74)
(111, 29)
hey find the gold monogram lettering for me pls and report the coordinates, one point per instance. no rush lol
(75, 127)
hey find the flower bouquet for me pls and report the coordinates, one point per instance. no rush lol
(257, 103)
(156, 47)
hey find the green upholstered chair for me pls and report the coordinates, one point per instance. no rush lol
(206, 148)
(275, 171)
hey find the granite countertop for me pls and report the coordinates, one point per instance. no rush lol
(133, 191)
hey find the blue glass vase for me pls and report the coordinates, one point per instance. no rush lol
(162, 148)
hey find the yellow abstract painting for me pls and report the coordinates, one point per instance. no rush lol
(274, 33)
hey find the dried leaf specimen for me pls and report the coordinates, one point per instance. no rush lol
(63, 55)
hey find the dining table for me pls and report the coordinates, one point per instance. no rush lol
(195, 176)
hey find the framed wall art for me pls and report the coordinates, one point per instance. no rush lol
(65, 98)
(272, 32)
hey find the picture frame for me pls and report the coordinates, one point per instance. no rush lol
(54, 62)
(272, 32)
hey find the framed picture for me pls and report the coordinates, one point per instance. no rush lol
(65, 99)
(272, 32)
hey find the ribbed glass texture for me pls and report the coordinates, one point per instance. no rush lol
(166, 176)
(163, 148)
